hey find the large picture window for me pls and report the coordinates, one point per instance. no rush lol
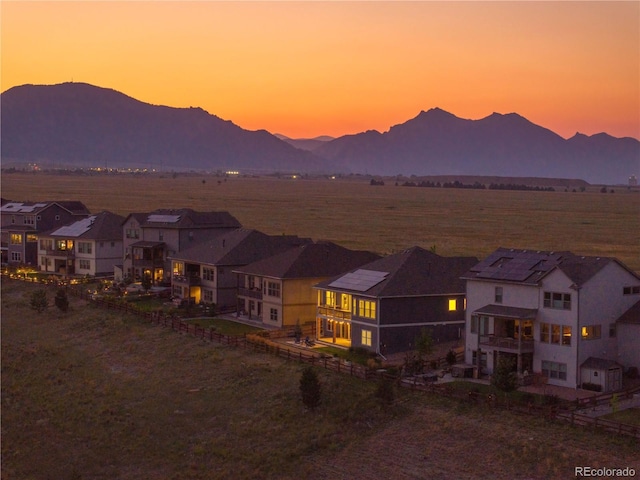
(554, 370)
(367, 309)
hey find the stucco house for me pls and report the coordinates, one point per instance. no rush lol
(150, 239)
(383, 306)
(90, 246)
(552, 313)
(204, 272)
(278, 290)
(22, 222)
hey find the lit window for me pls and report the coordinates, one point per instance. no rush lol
(591, 332)
(16, 239)
(32, 238)
(330, 298)
(453, 304)
(367, 309)
(555, 333)
(366, 338)
(566, 335)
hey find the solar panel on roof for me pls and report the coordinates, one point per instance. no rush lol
(361, 280)
(75, 229)
(163, 218)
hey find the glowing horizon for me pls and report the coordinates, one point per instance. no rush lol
(305, 69)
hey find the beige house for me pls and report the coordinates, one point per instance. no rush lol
(279, 290)
(87, 247)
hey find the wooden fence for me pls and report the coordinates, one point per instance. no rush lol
(600, 423)
(606, 398)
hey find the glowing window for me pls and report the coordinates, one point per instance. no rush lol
(453, 304)
(366, 338)
(367, 309)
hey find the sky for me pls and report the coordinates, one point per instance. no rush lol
(305, 69)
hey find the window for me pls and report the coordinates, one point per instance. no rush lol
(190, 236)
(557, 300)
(161, 236)
(591, 332)
(273, 314)
(555, 333)
(554, 370)
(273, 289)
(480, 325)
(208, 274)
(207, 295)
(46, 244)
(32, 238)
(16, 239)
(612, 330)
(367, 309)
(178, 268)
(453, 304)
(498, 295)
(84, 247)
(366, 338)
(566, 335)
(84, 264)
(483, 358)
(330, 298)
(16, 256)
(29, 220)
(631, 290)
(57, 217)
(132, 233)
(544, 332)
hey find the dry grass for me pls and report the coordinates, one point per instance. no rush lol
(382, 219)
(92, 394)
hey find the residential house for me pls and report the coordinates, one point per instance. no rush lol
(279, 290)
(149, 239)
(204, 272)
(552, 313)
(627, 332)
(383, 306)
(90, 246)
(22, 222)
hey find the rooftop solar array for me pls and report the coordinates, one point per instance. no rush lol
(15, 207)
(163, 218)
(517, 266)
(361, 280)
(75, 229)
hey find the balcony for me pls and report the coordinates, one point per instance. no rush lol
(507, 344)
(255, 293)
(186, 280)
(147, 263)
(327, 311)
(61, 253)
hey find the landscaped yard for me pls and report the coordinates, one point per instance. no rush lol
(225, 327)
(96, 393)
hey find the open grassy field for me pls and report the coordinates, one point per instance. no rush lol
(92, 394)
(383, 219)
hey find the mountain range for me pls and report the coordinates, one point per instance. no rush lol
(76, 124)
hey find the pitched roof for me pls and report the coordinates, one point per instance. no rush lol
(101, 226)
(313, 260)
(509, 312)
(632, 315)
(599, 363)
(188, 218)
(530, 266)
(73, 207)
(415, 271)
(238, 247)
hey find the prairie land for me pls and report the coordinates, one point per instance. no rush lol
(94, 394)
(357, 215)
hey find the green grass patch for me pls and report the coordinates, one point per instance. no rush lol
(223, 326)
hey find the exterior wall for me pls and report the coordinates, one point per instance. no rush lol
(628, 337)
(130, 224)
(108, 253)
(272, 302)
(299, 300)
(225, 286)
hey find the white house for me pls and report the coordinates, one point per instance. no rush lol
(552, 313)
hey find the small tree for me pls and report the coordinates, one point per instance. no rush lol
(451, 357)
(385, 393)
(424, 343)
(39, 301)
(504, 376)
(310, 388)
(61, 300)
(146, 282)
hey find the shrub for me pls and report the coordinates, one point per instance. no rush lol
(503, 376)
(451, 357)
(385, 392)
(61, 300)
(39, 301)
(310, 388)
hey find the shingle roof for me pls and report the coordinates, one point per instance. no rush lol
(530, 266)
(632, 315)
(238, 247)
(509, 312)
(188, 218)
(599, 363)
(101, 226)
(74, 207)
(313, 260)
(415, 271)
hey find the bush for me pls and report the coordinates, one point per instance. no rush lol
(39, 301)
(310, 388)
(504, 378)
(451, 357)
(385, 392)
(61, 300)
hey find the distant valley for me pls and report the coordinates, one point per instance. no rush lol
(79, 125)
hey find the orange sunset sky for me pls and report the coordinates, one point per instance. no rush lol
(332, 68)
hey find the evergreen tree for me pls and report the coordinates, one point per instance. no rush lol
(61, 300)
(39, 301)
(310, 388)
